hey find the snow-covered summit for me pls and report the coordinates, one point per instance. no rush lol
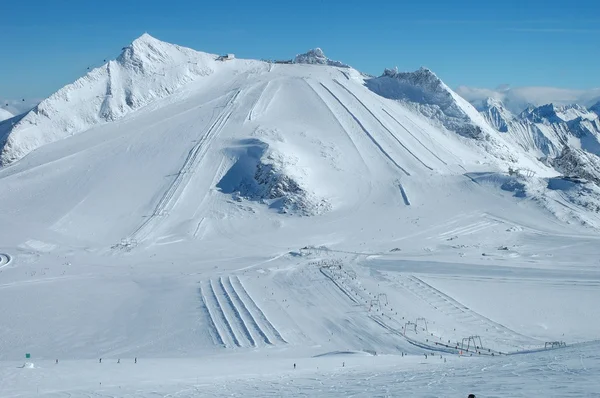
(551, 113)
(4, 114)
(432, 97)
(316, 56)
(146, 70)
(496, 114)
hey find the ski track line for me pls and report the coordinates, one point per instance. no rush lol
(253, 307)
(469, 313)
(335, 282)
(365, 130)
(334, 115)
(469, 229)
(170, 197)
(264, 88)
(412, 135)
(255, 329)
(223, 315)
(381, 123)
(404, 195)
(213, 326)
(237, 318)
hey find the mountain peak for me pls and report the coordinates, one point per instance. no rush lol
(491, 102)
(145, 39)
(552, 113)
(496, 114)
(316, 56)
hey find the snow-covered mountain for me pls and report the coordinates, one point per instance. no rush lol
(146, 70)
(316, 56)
(515, 99)
(4, 114)
(229, 217)
(545, 130)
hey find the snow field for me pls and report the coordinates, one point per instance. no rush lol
(163, 234)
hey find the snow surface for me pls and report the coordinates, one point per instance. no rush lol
(4, 114)
(242, 217)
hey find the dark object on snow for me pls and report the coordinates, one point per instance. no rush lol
(471, 396)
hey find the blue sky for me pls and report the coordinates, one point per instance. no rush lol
(47, 44)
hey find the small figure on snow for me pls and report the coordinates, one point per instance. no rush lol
(135, 360)
(294, 366)
(100, 360)
(119, 360)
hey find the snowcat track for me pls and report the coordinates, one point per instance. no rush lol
(381, 124)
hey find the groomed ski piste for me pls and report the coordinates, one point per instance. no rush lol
(245, 228)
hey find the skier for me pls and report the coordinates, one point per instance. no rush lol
(100, 360)
(57, 361)
(294, 366)
(135, 360)
(119, 360)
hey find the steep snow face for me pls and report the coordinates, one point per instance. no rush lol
(596, 108)
(429, 94)
(496, 114)
(146, 70)
(574, 162)
(316, 56)
(424, 92)
(4, 114)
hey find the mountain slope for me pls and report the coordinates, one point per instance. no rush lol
(264, 212)
(146, 70)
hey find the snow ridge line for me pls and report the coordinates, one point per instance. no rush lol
(256, 309)
(212, 325)
(365, 130)
(381, 123)
(218, 316)
(466, 310)
(170, 197)
(244, 312)
(236, 313)
(412, 135)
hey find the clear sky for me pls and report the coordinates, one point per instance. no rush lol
(47, 44)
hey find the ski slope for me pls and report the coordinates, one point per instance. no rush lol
(254, 215)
